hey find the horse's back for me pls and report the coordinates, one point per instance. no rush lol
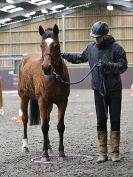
(32, 57)
(29, 63)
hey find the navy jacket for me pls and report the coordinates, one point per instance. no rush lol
(108, 51)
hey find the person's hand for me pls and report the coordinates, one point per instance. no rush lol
(105, 64)
(61, 54)
(102, 63)
(109, 67)
(65, 56)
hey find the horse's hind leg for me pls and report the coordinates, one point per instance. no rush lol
(61, 127)
(24, 107)
(34, 115)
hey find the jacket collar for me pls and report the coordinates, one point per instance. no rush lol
(106, 43)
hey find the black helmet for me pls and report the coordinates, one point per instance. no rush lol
(99, 29)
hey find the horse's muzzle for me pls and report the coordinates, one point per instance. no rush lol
(47, 70)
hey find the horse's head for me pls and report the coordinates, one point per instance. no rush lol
(50, 49)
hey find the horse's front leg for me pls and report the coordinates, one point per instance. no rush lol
(61, 127)
(45, 117)
(24, 107)
(49, 146)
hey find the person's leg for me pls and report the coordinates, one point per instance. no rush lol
(100, 112)
(101, 127)
(115, 112)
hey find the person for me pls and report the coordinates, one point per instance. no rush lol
(110, 61)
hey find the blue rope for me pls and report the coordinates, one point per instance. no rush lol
(102, 88)
(58, 77)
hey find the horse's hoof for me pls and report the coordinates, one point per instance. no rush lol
(45, 156)
(50, 149)
(25, 149)
(1, 112)
(61, 159)
(61, 154)
(45, 159)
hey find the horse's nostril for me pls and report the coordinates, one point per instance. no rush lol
(49, 67)
(42, 67)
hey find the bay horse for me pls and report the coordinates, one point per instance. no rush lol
(1, 99)
(39, 85)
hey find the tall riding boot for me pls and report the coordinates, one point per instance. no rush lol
(102, 142)
(115, 142)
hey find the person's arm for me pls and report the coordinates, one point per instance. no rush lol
(75, 58)
(120, 65)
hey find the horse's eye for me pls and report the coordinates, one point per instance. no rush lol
(41, 45)
(55, 45)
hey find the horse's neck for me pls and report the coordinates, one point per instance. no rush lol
(59, 68)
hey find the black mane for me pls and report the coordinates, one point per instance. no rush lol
(49, 33)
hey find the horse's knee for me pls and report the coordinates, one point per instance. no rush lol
(25, 119)
(45, 128)
(61, 127)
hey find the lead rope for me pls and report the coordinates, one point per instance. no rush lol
(102, 88)
(58, 77)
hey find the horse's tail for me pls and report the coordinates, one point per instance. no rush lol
(34, 114)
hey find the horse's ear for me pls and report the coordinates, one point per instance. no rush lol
(56, 30)
(41, 30)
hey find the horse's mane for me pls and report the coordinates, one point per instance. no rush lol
(49, 29)
(49, 32)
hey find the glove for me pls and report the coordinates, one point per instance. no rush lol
(110, 67)
(106, 65)
(62, 54)
(103, 64)
(65, 56)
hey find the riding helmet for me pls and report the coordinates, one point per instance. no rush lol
(99, 29)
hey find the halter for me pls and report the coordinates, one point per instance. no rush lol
(58, 56)
(47, 54)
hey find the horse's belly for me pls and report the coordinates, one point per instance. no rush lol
(27, 88)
